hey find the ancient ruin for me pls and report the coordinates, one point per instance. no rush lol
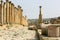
(9, 14)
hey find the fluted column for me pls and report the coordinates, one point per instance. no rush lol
(7, 11)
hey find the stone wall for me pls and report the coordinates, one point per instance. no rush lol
(59, 31)
(54, 30)
(49, 38)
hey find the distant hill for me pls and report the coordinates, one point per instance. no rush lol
(32, 21)
(36, 20)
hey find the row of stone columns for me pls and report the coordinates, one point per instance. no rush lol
(9, 14)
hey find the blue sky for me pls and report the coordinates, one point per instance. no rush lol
(50, 8)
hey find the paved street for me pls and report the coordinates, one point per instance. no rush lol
(18, 33)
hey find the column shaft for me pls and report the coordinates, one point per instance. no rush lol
(12, 6)
(40, 16)
(16, 15)
(4, 13)
(19, 9)
(10, 12)
(7, 11)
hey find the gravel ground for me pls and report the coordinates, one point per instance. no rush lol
(18, 33)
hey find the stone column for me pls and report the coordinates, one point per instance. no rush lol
(7, 11)
(10, 12)
(16, 15)
(1, 13)
(40, 16)
(4, 13)
(19, 8)
(21, 16)
(12, 6)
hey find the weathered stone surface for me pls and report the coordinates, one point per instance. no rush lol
(54, 30)
(18, 33)
(49, 38)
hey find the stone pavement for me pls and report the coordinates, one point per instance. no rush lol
(18, 33)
